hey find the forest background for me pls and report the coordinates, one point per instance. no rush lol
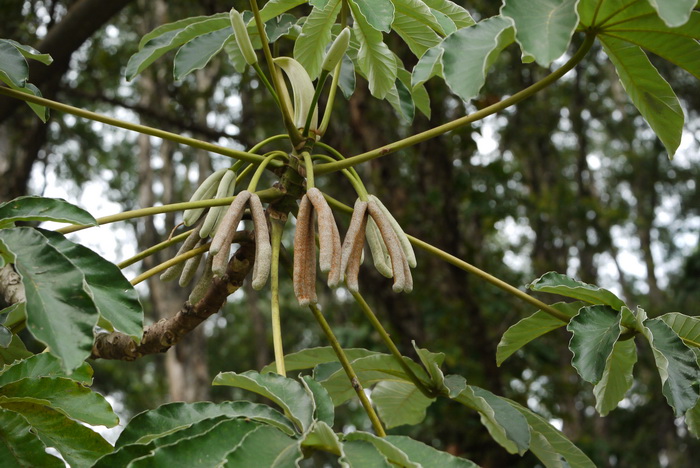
(570, 180)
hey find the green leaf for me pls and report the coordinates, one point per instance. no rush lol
(322, 437)
(534, 326)
(311, 357)
(14, 70)
(275, 8)
(19, 446)
(416, 25)
(432, 362)
(676, 363)
(361, 454)
(30, 52)
(115, 298)
(427, 456)
(392, 453)
(674, 12)
(687, 328)
(14, 352)
(207, 444)
(198, 52)
(310, 46)
(279, 27)
(79, 445)
(67, 396)
(692, 420)
(370, 370)
(33, 208)
(41, 111)
(374, 58)
(346, 82)
(469, 52)
(401, 100)
(556, 442)
(429, 65)
(5, 336)
(60, 312)
(617, 377)
(454, 12)
(595, 330)
(43, 365)
(172, 36)
(543, 28)
(505, 425)
(302, 89)
(400, 403)
(677, 45)
(377, 13)
(173, 417)
(15, 314)
(647, 89)
(325, 410)
(557, 283)
(266, 447)
(289, 394)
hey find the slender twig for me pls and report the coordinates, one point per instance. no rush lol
(156, 248)
(194, 143)
(349, 371)
(466, 120)
(173, 261)
(277, 230)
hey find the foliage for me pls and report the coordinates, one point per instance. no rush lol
(74, 297)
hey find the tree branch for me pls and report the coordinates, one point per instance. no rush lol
(11, 288)
(164, 334)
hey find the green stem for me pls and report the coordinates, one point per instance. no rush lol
(439, 130)
(331, 99)
(309, 166)
(354, 181)
(461, 264)
(173, 261)
(349, 371)
(277, 227)
(369, 314)
(266, 195)
(261, 168)
(242, 155)
(266, 82)
(151, 250)
(281, 136)
(288, 120)
(317, 93)
(337, 155)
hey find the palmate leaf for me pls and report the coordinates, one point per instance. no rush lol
(19, 446)
(60, 311)
(400, 403)
(534, 326)
(686, 327)
(65, 395)
(197, 53)
(543, 28)
(416, 25)
(377, 13)
(33, 208)
(556, 283)
(289, 394)
(173, 417)
(457, 14)
(617, 377)
(676, 363)
(595, 331)
(115, 298)
(374, 58)
(78, 445)
(310, 46)
(675, 12)
(549, 445)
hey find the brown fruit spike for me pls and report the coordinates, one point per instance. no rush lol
(329, 244)
(351, 237)
(392, 243)
(221, 244)
(352, 269)
(305, 254)
(189, 244)
(263, 249)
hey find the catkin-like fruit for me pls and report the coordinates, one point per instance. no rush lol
(203, 192)
(352, 269)
(403, 238)
(216, 213)
(354, 231)
(221, 244)
(190, 242)
(335, 274)
(305, 254)
(392, 243)
(329, 244)
(380, 254)
(204, 282)
(190, 268)
(263, 250)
